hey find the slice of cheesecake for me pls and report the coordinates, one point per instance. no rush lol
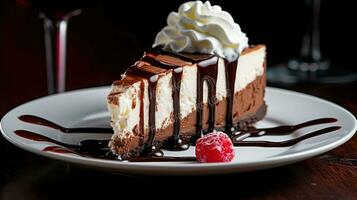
(167, 98)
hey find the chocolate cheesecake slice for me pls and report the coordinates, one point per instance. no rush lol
(169, 98)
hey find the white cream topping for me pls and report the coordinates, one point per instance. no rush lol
(201, 28)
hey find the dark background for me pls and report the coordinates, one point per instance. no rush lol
(109, 36)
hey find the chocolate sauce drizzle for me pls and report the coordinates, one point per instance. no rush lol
(175, 143)
(142, 134)
(44, 122)
(188, 57)
(279, 130)
(231, 72)
(149, 147)
(94, 149)
(207, 71)
(99, 148)
(176, 87)
(286, 143)
(239, 136)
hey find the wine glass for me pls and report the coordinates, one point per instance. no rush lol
(55, 15)
(310, 65)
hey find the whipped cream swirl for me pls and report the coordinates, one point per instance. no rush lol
(201, 28)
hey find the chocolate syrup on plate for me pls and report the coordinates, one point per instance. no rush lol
(44, 122)
(99, 148)
(279, 130)
(93, 149)
(286, 143)
(239, 136)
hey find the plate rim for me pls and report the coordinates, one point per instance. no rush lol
(189, 168)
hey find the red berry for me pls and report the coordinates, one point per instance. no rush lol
(214, 147)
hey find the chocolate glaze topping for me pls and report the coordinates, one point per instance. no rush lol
(207, 71)
(231, 71)
(142, 89)
(189, 57)
(175, 143)
(152, 77)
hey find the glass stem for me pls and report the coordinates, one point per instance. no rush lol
(310, 49)
(55, 45)
(55, 29)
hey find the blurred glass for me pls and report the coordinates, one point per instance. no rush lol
(310, 65)
(55, 15)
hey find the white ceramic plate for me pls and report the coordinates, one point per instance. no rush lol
(87, 108)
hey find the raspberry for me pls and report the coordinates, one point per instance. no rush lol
(214, 147)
